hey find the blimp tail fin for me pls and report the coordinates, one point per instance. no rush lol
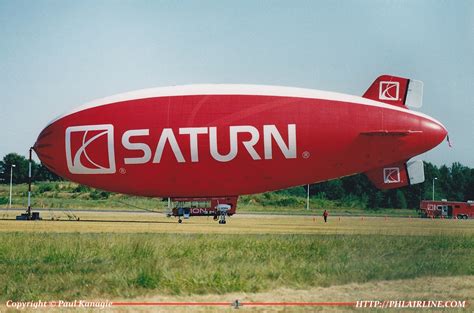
(402, 92)
(397, 175)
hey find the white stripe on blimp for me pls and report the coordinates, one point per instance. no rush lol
(235, 89)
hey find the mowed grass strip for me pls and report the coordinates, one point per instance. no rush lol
(69, 195)
(108, 222)
(71, 265)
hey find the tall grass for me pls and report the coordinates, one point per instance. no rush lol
(67, 266)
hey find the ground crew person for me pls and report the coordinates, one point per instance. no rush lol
(325, 215)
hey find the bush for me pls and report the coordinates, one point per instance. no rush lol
(353, 201)
(287, 201)
(99, 194)
(44, 187)
(81, 188)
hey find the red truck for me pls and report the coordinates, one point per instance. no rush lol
(447, 209)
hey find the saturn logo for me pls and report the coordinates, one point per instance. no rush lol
(391, 175)
(85, 147)
(389, 90)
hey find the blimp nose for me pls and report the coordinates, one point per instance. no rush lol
(434, 132)
(43, 148)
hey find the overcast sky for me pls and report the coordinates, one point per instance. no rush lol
(57, 55)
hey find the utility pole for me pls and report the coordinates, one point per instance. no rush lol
(11, 184)
(436, 178)
(307, 199)
(28, 211)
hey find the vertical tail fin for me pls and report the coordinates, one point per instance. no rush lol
(397, 91)
(397, 175)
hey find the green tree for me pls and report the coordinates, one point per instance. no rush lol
(20, 169)
(469, 195)
(41, 173)
(459, 180)
(414, 194)
(332, 189)
(376, 200)
(400, 200)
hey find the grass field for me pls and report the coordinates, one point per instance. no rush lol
(143, 256)
(72, 266)
(99, 259)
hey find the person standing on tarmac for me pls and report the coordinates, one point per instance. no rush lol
(325, 215)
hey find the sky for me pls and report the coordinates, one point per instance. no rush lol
(57, 55)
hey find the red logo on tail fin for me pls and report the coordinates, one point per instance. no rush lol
(389, 90)
(391, 175)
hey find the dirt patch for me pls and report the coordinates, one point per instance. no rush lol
(427, 288)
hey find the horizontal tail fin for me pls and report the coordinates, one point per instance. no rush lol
(398, 91)
(397, 175)
(393, 133)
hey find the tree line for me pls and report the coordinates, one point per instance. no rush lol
(20, 171)
(455, 182)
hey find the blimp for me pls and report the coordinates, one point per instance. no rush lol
(218, 141)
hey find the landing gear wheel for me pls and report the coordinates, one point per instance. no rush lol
(222, 219)
(180, 221)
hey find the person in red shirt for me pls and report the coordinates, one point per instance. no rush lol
(325, 215)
